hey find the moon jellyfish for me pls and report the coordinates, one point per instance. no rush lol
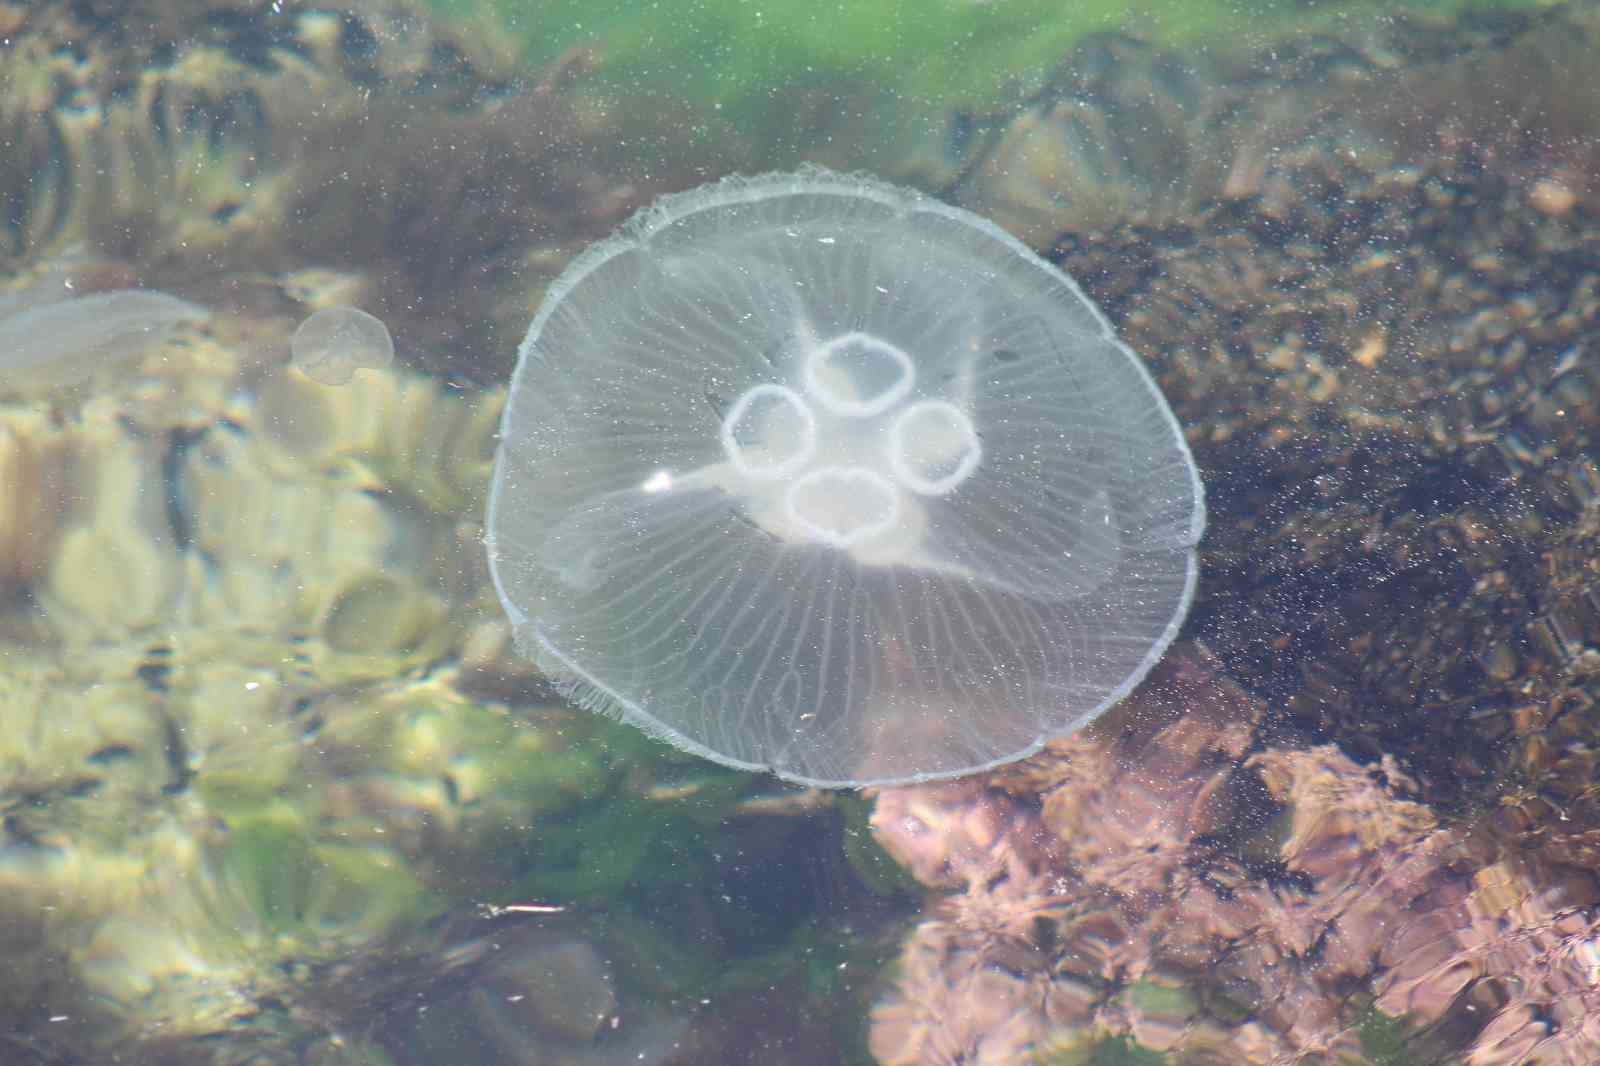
(59, 342)
(811, 474)
(331, 345)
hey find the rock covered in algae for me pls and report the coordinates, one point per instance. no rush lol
(212, 152)
(34, 467)
(203, 475)
(182, 586)
(1124, 130)
(1377, 314)
(1126, 887)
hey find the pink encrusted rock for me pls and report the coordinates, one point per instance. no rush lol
(1091, 893)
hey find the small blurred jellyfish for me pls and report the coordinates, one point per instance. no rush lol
(812, 474)
(58, 341)
(331, 345)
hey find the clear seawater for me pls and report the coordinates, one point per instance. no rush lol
(276, 788)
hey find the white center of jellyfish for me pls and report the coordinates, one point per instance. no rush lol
(858, 375)
(847, 454)
(843, 505)
(769, 433)
(933, 447)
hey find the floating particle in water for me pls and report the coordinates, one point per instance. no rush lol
(813, 474)
(331, 345)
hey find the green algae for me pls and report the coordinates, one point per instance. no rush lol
(1097, 1051)
(1163, 999)
(1387, 1041)
(822, 971)
(614, 840)
(303, 890)
(740, 55)
(881, 875)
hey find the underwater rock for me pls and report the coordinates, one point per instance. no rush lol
(1122, 130)
(35, 459)
(1477, 941)
(1029, 950)
(514, 992)
(560, 988)
(1384, 356)
(1125, 894)
(1125, 131)
(272, 137)
(414, 434)
(115, 569)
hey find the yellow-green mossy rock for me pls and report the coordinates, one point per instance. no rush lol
(35, 457)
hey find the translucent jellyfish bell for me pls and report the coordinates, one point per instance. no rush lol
(335, 342)
(812, 474)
